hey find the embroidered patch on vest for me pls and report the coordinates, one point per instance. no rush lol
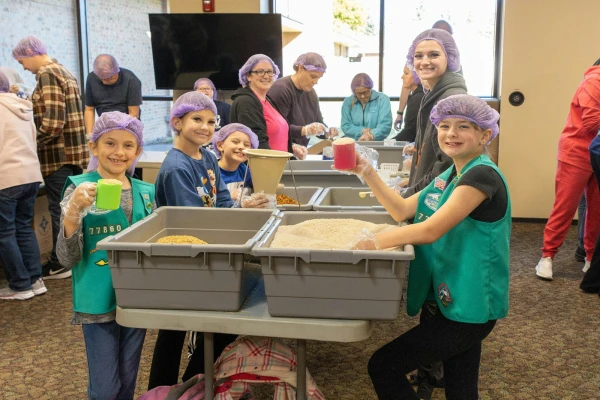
(439, 183)
(432, 200)
(101, 263)
(444, 294)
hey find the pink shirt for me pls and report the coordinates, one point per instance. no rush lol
(277, 127)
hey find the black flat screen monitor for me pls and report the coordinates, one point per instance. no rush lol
(186, 47)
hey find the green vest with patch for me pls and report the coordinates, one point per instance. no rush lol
(467, 269)
(93, 291)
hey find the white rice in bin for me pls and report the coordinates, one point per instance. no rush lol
(324, 234)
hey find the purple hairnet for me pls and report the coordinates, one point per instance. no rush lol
(415, 76)
(445, 40)
(28, 47)
(467, 107)
(112, 121)
(209, 83)
(106, 66)
(361, 80)
(252, 61)
(191, 101)
(227, 130)
(4, 84)
(311, 62)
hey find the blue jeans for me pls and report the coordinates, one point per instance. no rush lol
(19, 250)
(113, 356)
(581, 221)
(54, 184)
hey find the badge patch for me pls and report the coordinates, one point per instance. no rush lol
(432, 200)
(444, 294)
(439, 183)
(101, 263)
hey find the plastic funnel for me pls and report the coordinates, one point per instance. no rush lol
(266, 168)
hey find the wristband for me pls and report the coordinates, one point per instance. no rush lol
(399, 112)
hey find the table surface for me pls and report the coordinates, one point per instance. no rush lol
(252, 319)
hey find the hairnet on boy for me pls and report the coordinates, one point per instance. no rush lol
(28, 47)
(4, 85)
(191, 101)
(227, 130)
(445, 40)
(106, 66)
(113, 121)
(252, 61)
(311, 62)
(361, 80)
(468, 107)
(207, 82)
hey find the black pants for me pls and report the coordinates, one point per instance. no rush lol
(433, 373)
(437, 338)
(591, 280)
(167, 355)
(54, 184)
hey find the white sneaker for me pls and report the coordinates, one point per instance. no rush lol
(39, 287)
(9, 294)
(544, 268)
(586, 266)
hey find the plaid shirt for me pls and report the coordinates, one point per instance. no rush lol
(58, 114)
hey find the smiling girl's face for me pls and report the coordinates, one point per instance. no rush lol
(430, 62)
(116, 151)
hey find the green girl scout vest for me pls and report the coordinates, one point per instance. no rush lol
(93, 291)
(467, 269)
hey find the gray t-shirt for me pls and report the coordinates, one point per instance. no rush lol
(127, 91)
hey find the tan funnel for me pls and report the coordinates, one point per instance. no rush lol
(266, 168)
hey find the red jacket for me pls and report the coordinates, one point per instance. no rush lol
(583, 122)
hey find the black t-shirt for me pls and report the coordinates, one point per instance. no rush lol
(487, 180)
(127, 91)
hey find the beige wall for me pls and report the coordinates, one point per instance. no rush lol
(221, 6)
(547, 46)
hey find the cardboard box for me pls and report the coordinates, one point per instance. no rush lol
(318, 147)
(42, 223)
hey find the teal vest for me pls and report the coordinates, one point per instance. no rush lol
(467, 269)
(93, 291)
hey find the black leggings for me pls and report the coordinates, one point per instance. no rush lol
(437, 338)
(167, 355)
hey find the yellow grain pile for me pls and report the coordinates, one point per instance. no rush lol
(283, 199)
(180, 239)
(326, 234)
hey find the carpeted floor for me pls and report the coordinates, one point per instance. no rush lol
(547, 348)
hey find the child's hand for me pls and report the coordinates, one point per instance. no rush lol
(260, 200)
(365, 241)
(83, 196)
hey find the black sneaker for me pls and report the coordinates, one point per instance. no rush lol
(580, 254)
(50, 272)
(425, 390)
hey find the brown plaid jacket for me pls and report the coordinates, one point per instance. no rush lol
(58, 114)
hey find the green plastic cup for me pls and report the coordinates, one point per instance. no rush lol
(108, 194)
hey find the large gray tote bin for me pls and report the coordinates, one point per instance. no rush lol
(316, 173)
(307, 196)
(346, 199)
(146, 274)
(387, 154)
(347, 284)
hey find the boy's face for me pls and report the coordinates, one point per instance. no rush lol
(196, 127)
(116, 151)
(233, 146)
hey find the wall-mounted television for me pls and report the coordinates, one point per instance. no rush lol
(186, 47)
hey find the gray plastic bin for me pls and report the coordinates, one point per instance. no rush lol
(346, 199)
(146, 274)
(343, 284)
(307, 196)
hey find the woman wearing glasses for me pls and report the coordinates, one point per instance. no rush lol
(207, 87)
(367, 114)
(253, 108)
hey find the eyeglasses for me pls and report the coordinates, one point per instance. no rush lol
(262, 72)
(366, 93)
(204, 89)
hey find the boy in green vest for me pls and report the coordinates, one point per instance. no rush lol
(113, 351)
(461, 268)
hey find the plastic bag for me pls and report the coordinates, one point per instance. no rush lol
(259, 200)
(365, 240)
(78, 203)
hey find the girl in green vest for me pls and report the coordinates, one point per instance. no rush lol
(113, 351)
(461, 268)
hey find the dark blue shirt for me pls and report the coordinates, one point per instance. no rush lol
(184, 181)
(234, 179)
(126, 92)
